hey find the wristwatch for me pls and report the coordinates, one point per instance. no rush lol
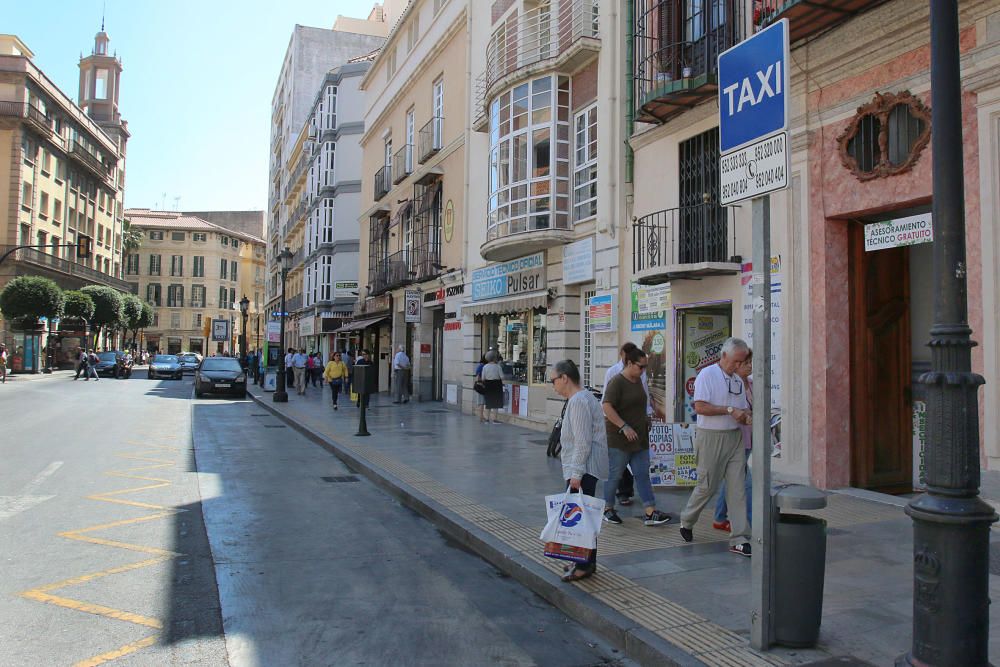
(729, 410)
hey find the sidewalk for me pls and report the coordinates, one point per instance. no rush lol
(664, 601)
(34, 377)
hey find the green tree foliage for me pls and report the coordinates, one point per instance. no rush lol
(147, 316)
(29, 297)
(79, 305)
(131, 311)
(107, 307)
(131, 237)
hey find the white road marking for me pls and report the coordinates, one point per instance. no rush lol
(12, 505)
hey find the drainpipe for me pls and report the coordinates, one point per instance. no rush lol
(629, 90)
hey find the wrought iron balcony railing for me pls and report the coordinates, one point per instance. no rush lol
(805, 17)
(35, 116)
(88, 158)
(676, 237)
(68, 267)
(383, 182)
(430, 139)
(402, 163)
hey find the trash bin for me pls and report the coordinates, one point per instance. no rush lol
(799, 565)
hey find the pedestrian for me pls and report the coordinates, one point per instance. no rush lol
(626, 488)
(492, 376)
(92, 362)
(720, 401)
(318, 370)
(3, 363)
(348, 360)
(478, 382)
(401, 377)
(289, 373)
(721, 519)
(335, 374)
(584, 454)
(627, 428)
(311, 369)
(299, 371)
(81, 364)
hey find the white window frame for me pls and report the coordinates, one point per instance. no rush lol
(409, 140)
(585, 129)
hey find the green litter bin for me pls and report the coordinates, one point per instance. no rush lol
(799, 565)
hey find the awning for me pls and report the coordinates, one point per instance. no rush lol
(358, 325)
(507, 304)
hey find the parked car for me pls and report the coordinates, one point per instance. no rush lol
(220, 375)
(165, 366)
(107, 364)
(189, 361)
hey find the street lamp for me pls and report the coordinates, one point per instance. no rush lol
(284, 263)
(244, 308)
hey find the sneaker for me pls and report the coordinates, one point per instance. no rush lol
(723, 525)
(334, 407)
(687, 534)
(611, 516)
(741, 549)
(624, 500)
(656, 518)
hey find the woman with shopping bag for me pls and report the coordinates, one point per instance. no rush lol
(584, 453)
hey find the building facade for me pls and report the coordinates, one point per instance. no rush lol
(65, 169)
(192, 271)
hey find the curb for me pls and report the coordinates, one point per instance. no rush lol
(637, 642)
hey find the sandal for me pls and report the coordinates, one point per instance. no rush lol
(578, 573)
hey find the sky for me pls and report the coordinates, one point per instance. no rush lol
(196, 88)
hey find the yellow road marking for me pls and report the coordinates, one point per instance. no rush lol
(99, 610)
(82, 579)
(118, 652)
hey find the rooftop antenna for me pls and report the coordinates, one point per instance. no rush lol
(177, 202)
(104, 8)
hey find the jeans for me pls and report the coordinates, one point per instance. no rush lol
(722, 510)
(336, 386)
(588, 485)
(639, 462)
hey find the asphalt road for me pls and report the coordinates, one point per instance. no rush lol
(141, 527)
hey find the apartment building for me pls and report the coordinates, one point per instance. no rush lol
(311, 56)
(413, 233)
(850, 325)
(192, 271)
(64, 163)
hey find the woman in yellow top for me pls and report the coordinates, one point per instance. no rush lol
(336, 374)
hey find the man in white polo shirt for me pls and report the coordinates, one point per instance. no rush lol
(720, 400)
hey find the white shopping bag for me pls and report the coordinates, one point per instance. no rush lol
(574, 519)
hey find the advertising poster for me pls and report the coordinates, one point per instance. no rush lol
(672, 461)
(643, 319)
(601, 313)
(703, 334)
(776, 323)
(273, 332)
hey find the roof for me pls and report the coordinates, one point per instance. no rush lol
(149, 219)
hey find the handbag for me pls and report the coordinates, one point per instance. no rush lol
(574, 522)
(555, 437)
(479, 387)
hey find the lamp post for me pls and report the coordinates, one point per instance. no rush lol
(244, 309)
(951, 523)
(284, 263)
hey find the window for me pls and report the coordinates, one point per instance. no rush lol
(232, 271)
(153, 294)
(46, 162)
(224, 240)
(702, 226)
(438, 4)
(223, 294)
(529, 158)
(328, 109)
(132, 264)
(154, 265)
(325, 278)
(199, 237)
(413, 31)
(236, 244)
(223, 268)
(198, 270)
(55, 246)
(409, 141)
(197, 296)
(390, 63)
(56, 211)
(437, 102)
(521, 341)
(177, 236)
(325, 212)
(587, 348)
(232, 298)
(177, 265)
(155, 235)
(42, 239)
(100, 235)
(175, 296)
(886, 136)
(196, 321)
(43, 205)
(585, 165)
(327, 164)
(26, 199)
(175, 320)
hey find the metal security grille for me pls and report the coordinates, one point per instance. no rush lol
(587, 344)
(702, 229)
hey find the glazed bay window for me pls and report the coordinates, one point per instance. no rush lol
(529, 158)
(521, 340)
(585, 164)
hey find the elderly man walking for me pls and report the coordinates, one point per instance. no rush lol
(720, 401)
(401, 377)
(299, 360)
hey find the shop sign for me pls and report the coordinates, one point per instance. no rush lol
(434, 298)
(653, 298)
(703, 334)
(672, 461)
(274, 332)
(307, 327)
(377, 304)
(776, 322)
(645, 321)
(454, 290)
(453, 325)
(220, 330)
(578, 261)
(901, 232)
(345, 288)
(517, 276)
(411, 307)
(449, 221)
(425, 350)
(601, 313)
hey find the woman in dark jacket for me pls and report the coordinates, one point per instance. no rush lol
(493, 382)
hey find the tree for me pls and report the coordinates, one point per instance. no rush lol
(27, 298)
(131, 314)
(131, 238)
(107, 308)
(78, 305)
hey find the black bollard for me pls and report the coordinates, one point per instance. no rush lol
(362, 422)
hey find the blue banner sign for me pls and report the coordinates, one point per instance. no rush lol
(517, 276)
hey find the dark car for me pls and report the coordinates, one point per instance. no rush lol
(165, 366)
(189, 361)
(107, 364)
(220, 375)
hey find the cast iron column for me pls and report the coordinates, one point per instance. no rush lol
(280, 395)
(951, 523)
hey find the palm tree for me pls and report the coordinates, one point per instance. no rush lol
(131, 238)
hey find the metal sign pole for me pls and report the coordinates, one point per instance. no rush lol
(762, 566)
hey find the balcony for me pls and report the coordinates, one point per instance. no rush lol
(561, 35)
(430, 139)
(383, 180)
(293, 303)
(515, 238)
(89, 159)
(84, 274)
(402, 164)
(676, 55)
(684, 243)
(35, 116)
(390, 272)
(805, 17)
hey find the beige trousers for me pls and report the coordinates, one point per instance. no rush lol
(300, 379)
(720, 459)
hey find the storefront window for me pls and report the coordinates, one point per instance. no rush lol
(521, 341)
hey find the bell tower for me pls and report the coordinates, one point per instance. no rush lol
(100, 76)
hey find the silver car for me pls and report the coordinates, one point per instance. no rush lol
(189, 361)
(165, 366)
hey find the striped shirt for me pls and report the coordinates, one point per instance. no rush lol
(584, 443)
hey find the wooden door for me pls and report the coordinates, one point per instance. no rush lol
(881, 411)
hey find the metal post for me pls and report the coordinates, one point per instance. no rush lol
(280, 395)
(762, 566)
(243, 340)
(362, 421)
(951, 524)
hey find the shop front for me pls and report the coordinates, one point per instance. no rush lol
(371, 330)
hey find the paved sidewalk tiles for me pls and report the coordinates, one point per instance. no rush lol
(650, 584)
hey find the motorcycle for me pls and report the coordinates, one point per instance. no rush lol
(123, 369)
